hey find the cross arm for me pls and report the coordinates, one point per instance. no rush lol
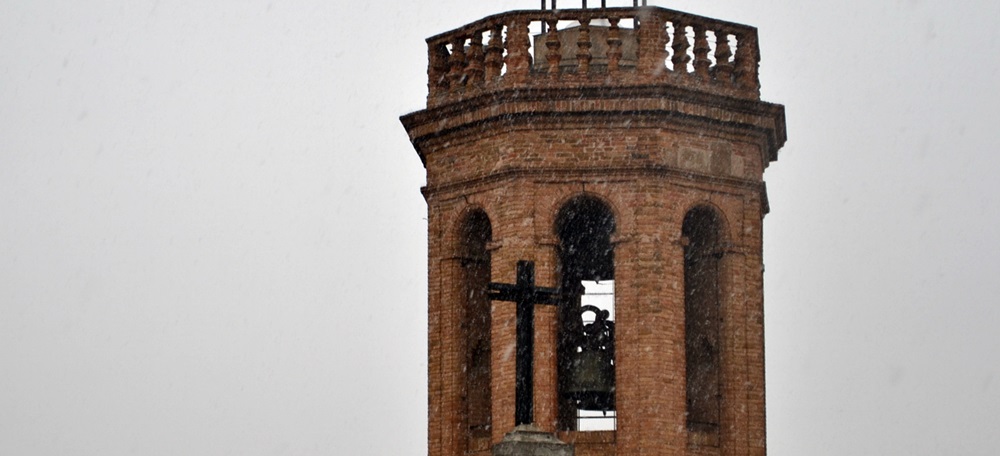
(516, 293)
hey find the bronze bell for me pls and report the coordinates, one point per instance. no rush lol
(591, 383)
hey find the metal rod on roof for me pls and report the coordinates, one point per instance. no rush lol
(543, 22)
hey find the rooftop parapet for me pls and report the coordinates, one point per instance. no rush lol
(618, 47)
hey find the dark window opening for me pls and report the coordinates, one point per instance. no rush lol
(702, 317)
(586, 316)
(476, 233)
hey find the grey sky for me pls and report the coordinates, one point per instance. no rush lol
(212, 239)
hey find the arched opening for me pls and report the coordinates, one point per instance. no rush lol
(702, 319)
(584, 226)
(476, 232)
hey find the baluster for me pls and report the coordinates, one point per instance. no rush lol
(552, 44)
(474, 71)
(518, 58)
(614, 46)
(494, 55)
(701, 49)
(652, 44)
(747, 59)
(437, 69)
(723, 67)
(456, 77)
(583, 55)
(680, 48)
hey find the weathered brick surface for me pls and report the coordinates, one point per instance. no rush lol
(651, 158)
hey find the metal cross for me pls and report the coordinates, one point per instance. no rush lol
(526, 295)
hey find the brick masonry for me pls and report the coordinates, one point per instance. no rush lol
(651, 154)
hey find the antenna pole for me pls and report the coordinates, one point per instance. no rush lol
(543, 22)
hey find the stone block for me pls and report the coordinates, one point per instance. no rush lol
(529, 440)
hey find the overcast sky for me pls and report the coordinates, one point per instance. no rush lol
(212, 239)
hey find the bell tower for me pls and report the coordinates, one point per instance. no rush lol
(599, 170)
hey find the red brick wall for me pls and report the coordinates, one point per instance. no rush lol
(652, 144)
(650, 170)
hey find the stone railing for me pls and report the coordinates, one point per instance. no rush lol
(590, 48)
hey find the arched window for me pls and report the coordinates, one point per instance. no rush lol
(586, 317)
(476, 232)
(702, 317)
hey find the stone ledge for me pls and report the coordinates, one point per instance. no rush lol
(529, 440)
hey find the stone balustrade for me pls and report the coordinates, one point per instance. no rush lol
(619, 47)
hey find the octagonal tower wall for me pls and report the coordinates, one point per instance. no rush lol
(653, 130)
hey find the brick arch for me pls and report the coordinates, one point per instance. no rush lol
(458, 224)
(570, 198)
(725, 223)
(548, 211)
(585, 198)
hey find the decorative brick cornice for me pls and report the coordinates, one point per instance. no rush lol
(497, 110)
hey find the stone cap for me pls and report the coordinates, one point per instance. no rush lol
(530, 440)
